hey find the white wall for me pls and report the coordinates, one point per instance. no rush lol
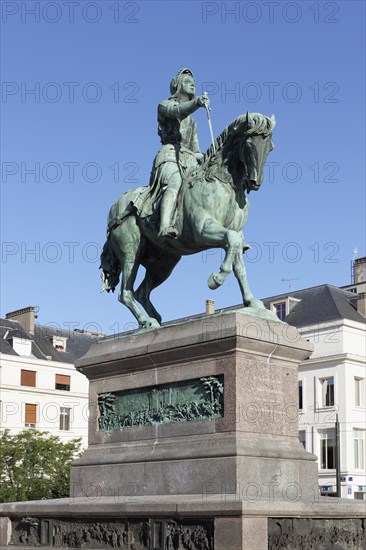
(339, 352)
(49, 400)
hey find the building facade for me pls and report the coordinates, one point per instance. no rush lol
(332, 380)
(39, 385)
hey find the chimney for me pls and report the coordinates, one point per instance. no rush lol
(359, 270)
(361, 303)
(26, 318)
(210, 307)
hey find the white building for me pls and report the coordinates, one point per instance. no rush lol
(332, 380)
(39, 385)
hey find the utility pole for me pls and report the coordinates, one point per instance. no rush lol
(337, 458)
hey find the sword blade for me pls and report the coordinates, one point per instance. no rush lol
(211, 131)
(210, 125)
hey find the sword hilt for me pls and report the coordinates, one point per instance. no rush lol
(206, 107)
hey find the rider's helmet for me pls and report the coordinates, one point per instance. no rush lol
(176, 81)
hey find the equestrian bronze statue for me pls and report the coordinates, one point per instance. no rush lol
(194, 202)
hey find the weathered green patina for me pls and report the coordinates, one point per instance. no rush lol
(208, 194)
(198, 399)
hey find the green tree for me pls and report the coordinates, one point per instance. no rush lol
(35, 465)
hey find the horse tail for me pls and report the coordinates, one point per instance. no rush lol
(110, 266)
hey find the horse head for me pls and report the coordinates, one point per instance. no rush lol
(255, 131)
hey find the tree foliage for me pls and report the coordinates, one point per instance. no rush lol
(35, 465)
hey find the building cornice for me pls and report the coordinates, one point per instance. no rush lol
(331, 324)
(36, 362)
(338, 358)
(30, 390)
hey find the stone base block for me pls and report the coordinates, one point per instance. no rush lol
(242, 532)
(5, 531)
(178, 522)
(252, 478)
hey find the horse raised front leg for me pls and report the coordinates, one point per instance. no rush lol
(233, 243)
(215, 235)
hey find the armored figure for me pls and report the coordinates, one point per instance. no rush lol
(180, 150)
(212, 208)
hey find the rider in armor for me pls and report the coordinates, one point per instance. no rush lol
(180, 151)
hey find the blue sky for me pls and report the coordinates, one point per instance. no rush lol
(88, 131)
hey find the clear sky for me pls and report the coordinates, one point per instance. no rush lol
(81, 84)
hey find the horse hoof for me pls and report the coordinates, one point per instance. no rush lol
(255, 304)
(153, 323)
(149, 323)
(214, 281)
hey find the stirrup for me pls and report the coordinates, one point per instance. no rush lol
(169, 231)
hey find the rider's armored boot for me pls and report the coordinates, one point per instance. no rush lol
(166, 211)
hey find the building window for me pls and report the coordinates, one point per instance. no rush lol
(280, 309)
(62, 382)
(300, 396)
(327, 385)
(28, 378)
(359, 448)
(327, 449)
(359, 392)
(65, 414)
(30, 415)
(59, 342)
(302, 438)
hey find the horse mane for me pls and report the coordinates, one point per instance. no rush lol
(259, 124)
(242, 126)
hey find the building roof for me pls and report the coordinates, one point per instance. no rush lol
(77, 343)
(320, 304)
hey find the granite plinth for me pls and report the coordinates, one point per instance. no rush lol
(254, 445)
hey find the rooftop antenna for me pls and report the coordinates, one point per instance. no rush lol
(289, 281)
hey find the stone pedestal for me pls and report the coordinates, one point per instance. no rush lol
(248, 445)
(193, 443)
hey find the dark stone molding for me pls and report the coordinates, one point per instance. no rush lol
(316, 534)
(129, 534)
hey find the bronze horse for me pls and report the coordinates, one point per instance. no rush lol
(211, 213)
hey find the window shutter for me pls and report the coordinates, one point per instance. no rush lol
(30, 413)
(28, 378)
(62, 379)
